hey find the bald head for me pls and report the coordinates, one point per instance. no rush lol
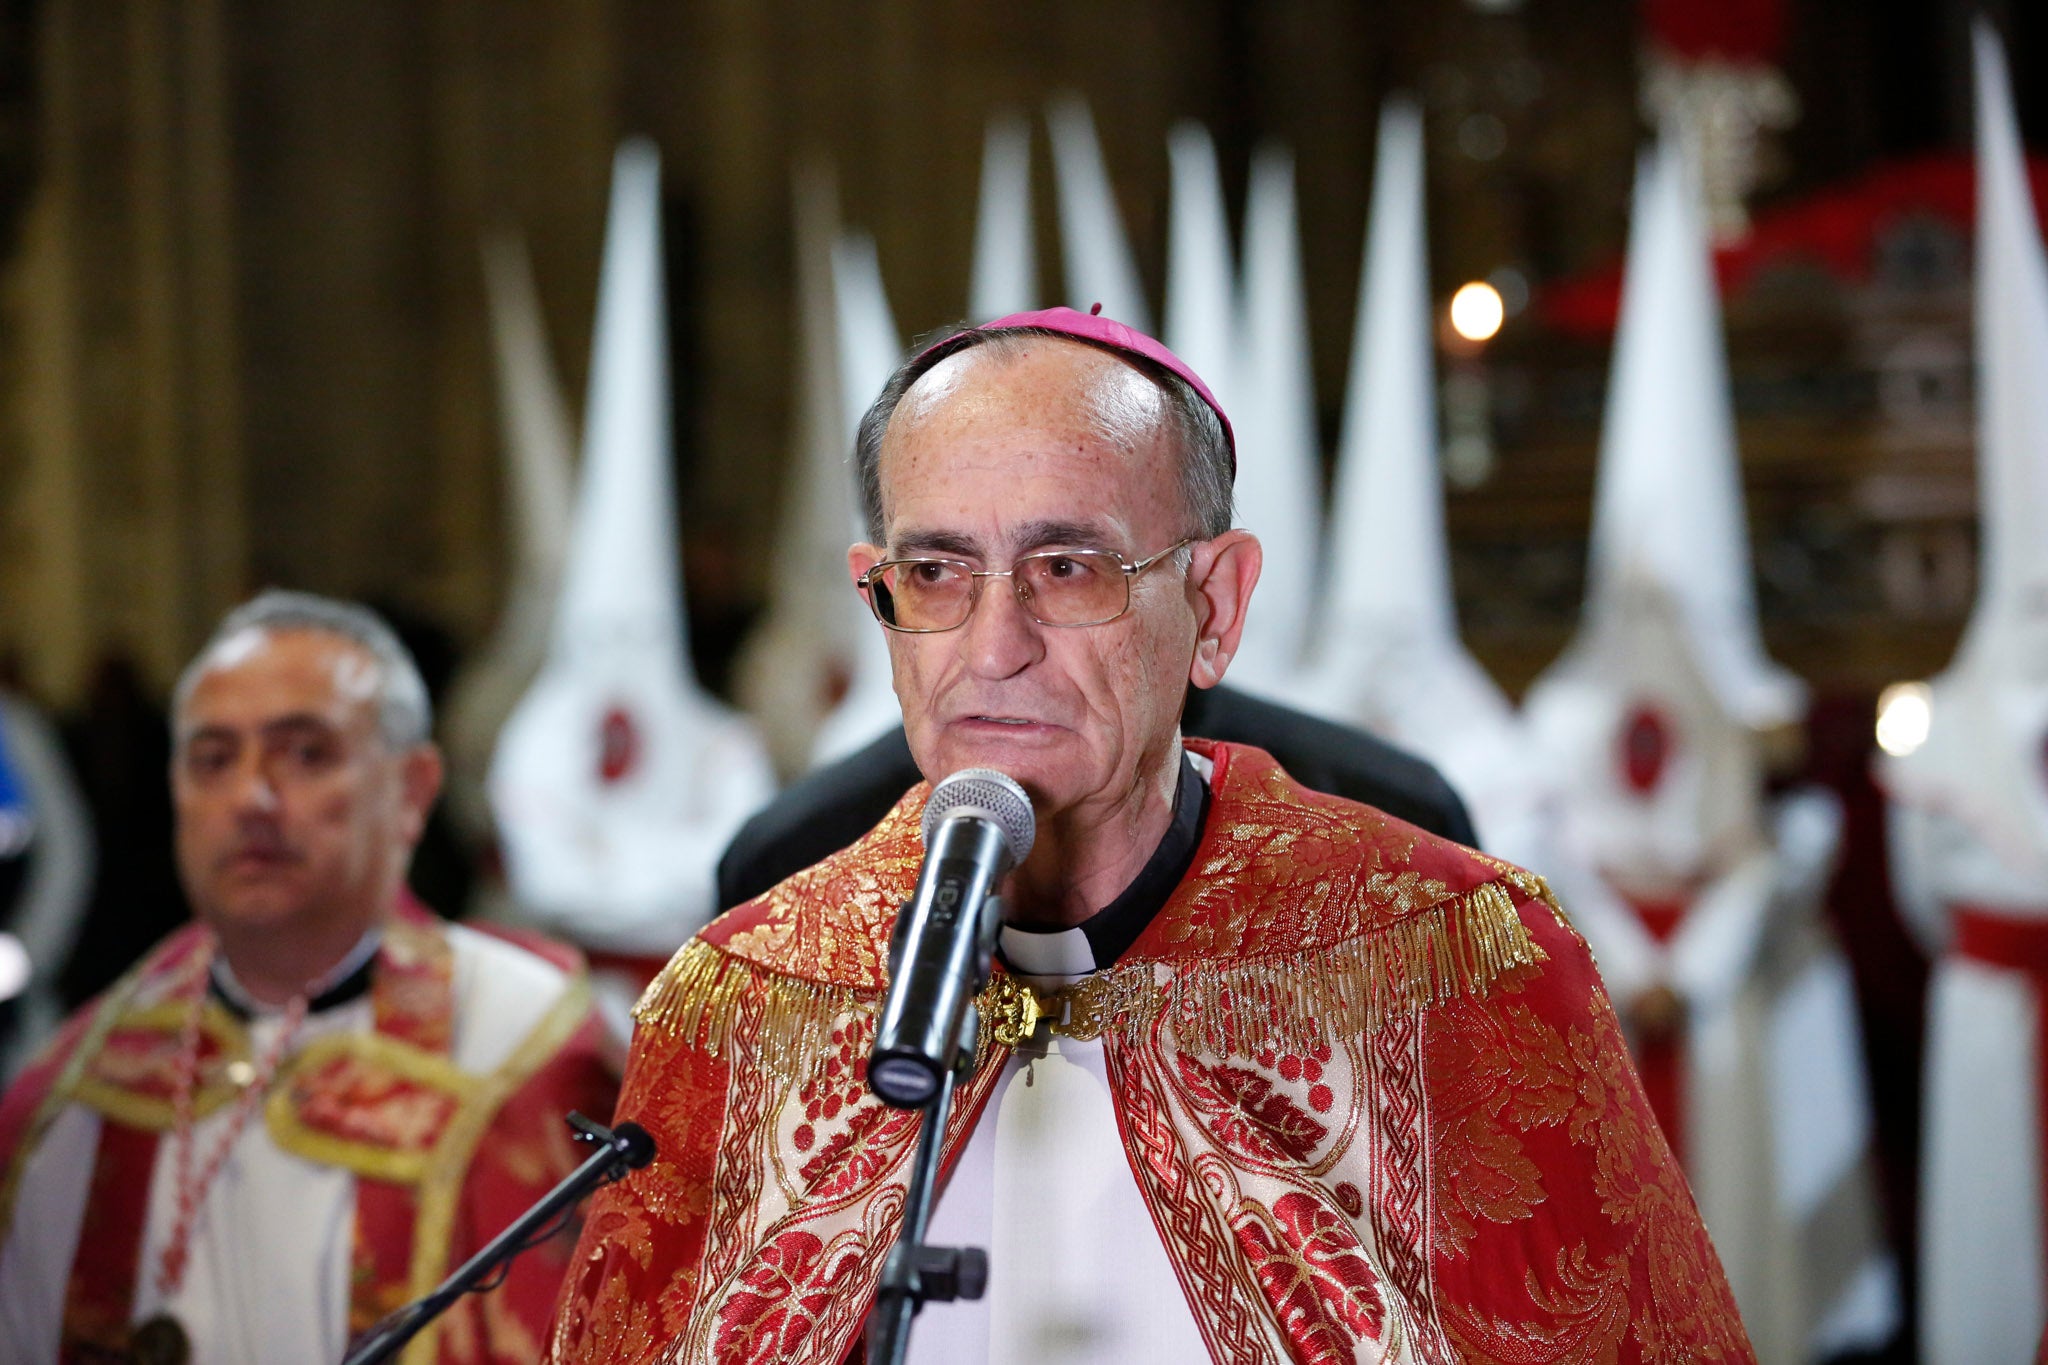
(1130, 401)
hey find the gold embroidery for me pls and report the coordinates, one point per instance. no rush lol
(397, 1159)
(1457, 947)
(100, 1086)
(441, 1192)
(697, 997)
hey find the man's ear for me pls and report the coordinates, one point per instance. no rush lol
(862, 557)
(1220, 583)
(419, 774)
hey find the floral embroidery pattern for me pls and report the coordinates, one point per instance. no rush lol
(352, 1098)
(1247, 1115)
(1314, 1274)
(779, 1300)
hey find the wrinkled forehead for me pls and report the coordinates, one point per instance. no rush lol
(259, 672)
(1014, 397)
(1040, 377)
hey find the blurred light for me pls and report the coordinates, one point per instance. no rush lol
(1904, 715)
(1477, 311)
(14, 966)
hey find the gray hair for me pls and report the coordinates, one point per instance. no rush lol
(404, 715)
(1207, 461)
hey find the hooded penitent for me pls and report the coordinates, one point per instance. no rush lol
(1701, 900)
(869, 351)
(618, 780)
(1097, 257)
(539, 447)
(799, 664)
(1388, 656)
(1969, 813)
(1279, 483)
(1005, 253)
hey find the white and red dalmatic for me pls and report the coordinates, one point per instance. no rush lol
(404, 1130)
(1366, 1083)
(1969, 816)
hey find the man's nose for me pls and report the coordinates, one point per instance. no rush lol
(254, 790)
(1000, 638)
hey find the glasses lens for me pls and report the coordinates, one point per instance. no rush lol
(1073, 587)
(922, 594)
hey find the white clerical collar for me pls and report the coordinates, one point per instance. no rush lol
(1047, 959)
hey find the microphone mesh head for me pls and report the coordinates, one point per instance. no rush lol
(985, 792)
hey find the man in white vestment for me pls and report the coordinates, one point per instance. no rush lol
(302, 1110)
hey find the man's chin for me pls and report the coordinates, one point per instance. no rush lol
(251, 906)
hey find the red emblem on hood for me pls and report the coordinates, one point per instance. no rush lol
(1646, 745)
(618, 746)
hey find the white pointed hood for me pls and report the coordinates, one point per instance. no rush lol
(539, 445)
(1390, 658)
(621, 581)
(1097, 257)
(1389, 568)
(618, 781)
(870, 348)
(793, 668)
(1651, 718)
(1667, 502)
(1199, 273)
(1985, 760)
(1005, 253)
(1279, 480)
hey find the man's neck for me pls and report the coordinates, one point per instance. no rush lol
(272, 964)
(1082, 859)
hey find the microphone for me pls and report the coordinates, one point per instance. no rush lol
(977, 826)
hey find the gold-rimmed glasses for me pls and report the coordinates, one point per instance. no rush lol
(1055, 587)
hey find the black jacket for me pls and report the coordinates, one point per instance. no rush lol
(826, 810)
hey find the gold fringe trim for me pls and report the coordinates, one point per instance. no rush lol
(1458, 948)
(707, 996)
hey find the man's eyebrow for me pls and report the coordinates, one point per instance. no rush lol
(295, 722)
(1037, 535)
(1032, 535)
(936, 542)
(214, 730)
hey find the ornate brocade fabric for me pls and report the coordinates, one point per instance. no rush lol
(1366, 1079)
(442, 1158)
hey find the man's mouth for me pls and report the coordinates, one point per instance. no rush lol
(259, 859)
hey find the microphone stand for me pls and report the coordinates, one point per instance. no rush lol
(916, 1274)
(625, 1148)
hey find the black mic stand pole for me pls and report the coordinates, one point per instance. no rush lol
(916, 1274)
(625, 1148)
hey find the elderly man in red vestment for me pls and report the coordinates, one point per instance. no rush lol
(1264, 1075)
(302, 1110)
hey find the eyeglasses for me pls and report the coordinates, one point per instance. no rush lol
(1055, 588)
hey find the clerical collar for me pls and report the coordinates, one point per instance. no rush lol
(348, 979)
(1105, 936)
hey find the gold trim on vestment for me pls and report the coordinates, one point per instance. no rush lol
(1217, 1005)
(448, 1164)
(696, 996)
(166, 1017)
(379, 1162)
